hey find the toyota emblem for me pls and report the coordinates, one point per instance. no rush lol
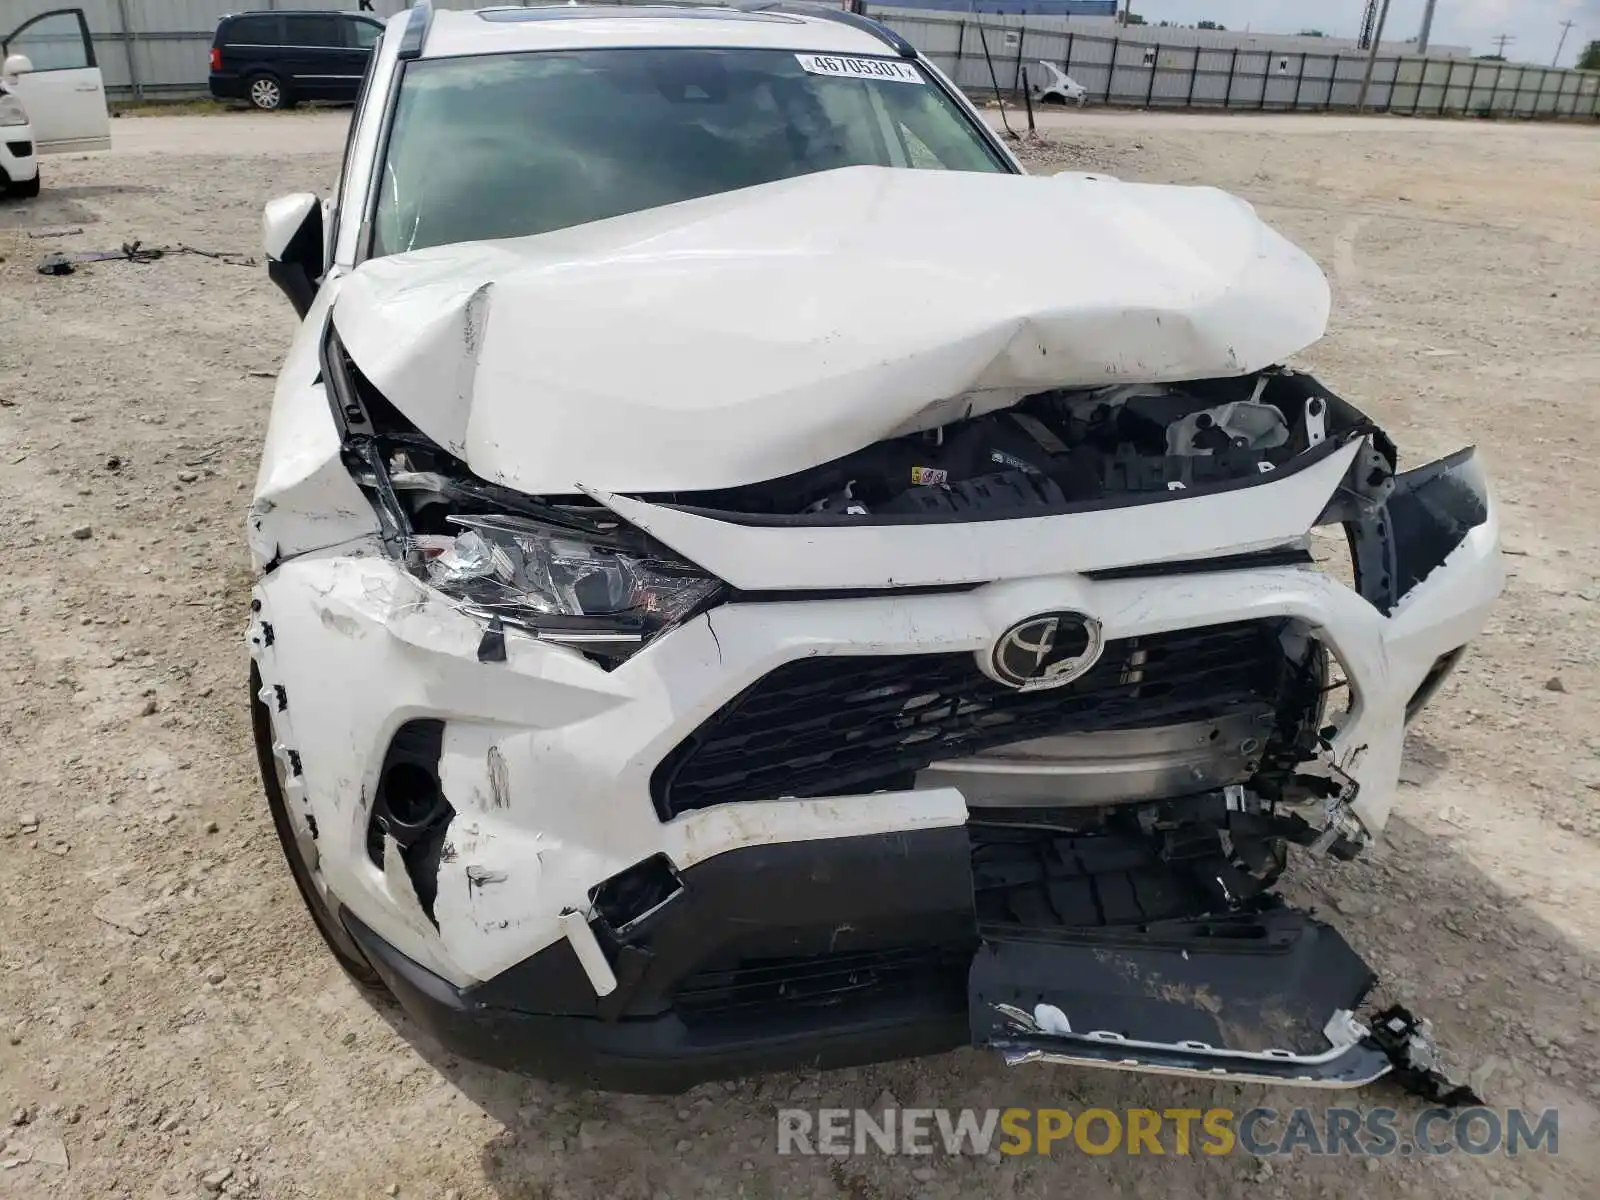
(1046, 651)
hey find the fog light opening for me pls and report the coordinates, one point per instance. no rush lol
(629, 898)
(410, 802)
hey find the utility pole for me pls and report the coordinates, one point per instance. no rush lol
(1566, 28)
(1427, 27)
(1500, 41)
(1372, 57)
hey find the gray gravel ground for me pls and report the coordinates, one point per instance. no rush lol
(169, 1023)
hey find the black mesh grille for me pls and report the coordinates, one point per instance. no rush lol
(754, 985)
(828, 725)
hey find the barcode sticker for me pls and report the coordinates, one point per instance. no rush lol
(859, 68)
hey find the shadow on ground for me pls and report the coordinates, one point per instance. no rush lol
(55, 207)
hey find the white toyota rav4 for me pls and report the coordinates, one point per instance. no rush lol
(748, 578)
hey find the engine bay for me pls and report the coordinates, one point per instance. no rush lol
(1053, 451)
(1066, 449)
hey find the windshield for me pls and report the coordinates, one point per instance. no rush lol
(507, 145)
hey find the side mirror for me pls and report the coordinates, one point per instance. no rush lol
(291, 235)
(17, 64)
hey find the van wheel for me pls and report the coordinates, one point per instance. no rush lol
(28, 187)
(268, 93)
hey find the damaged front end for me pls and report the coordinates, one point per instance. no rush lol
(1130, 780)
(993, 718)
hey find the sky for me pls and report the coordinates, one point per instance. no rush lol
(1535, 24)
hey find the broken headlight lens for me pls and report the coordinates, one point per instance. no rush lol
(562, 584)
(11, 111)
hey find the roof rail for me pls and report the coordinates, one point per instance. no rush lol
(416, 32)
(844, 16)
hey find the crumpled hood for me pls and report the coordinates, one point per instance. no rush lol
(748, 335)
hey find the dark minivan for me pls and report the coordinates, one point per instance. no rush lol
(276, 59)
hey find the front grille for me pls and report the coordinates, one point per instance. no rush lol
(832, 725)
(753, 986)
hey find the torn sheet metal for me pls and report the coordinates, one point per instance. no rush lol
(743, 336)
(305, 498)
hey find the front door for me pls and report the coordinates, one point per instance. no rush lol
(63, 93)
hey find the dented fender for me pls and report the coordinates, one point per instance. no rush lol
(360, 648)
(305, 498)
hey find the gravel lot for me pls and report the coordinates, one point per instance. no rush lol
(166, 1010)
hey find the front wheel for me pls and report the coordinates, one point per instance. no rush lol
(268, 93)
(300, 848)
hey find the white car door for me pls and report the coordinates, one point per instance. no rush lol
(63, 93)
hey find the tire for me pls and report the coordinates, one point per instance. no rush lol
(28, 188)
(267, 92)
(324, 910)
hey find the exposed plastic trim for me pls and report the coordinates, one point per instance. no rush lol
(416, 34)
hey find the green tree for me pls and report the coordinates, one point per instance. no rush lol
(1210, 25)
(1589, 60)
(1311, 33)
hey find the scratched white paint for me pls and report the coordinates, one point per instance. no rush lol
(570, 747)
(305, 498)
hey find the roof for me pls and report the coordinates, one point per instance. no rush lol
(583, 27)
(300, 12)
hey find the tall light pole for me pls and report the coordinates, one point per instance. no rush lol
(1372, 57)
(1566, 28)
(1427, 27)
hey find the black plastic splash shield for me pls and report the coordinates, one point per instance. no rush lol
(1267, 996)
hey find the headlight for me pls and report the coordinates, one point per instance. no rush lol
(562, 585)
(12, 112)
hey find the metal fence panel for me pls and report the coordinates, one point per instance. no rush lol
(160, 47)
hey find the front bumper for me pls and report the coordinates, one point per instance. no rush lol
(823, 993)
(828, 924)
(18, 154)
(546, 760)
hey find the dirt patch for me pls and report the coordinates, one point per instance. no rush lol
(167, 1013)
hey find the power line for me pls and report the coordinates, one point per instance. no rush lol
(1566, 28)
(1501, 41)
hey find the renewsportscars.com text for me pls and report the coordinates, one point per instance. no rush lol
(1262, 1132)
